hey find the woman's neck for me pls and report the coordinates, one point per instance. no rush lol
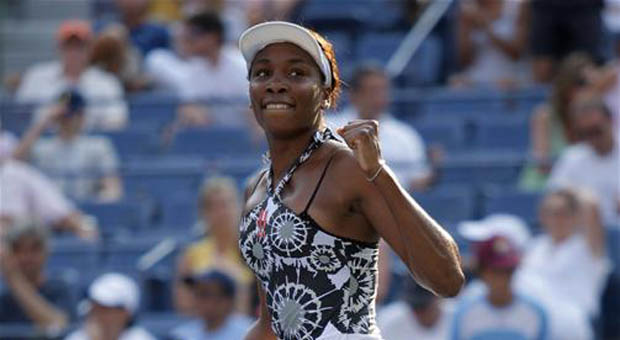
(284, 151)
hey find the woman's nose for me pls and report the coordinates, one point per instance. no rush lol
(277, 86)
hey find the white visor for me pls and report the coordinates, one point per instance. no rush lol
(257, 37)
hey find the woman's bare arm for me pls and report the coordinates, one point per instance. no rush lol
(261, 329)
(428, 250)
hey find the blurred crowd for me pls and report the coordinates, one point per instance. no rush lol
(546, 285)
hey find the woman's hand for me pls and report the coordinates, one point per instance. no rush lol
(363, 138)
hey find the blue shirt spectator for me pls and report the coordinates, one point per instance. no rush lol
(234, 328)
(478, 319)
(214, 293)
(149, 36)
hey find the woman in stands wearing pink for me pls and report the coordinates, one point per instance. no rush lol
(313, 219)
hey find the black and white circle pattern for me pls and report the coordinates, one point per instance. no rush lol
(289, 232)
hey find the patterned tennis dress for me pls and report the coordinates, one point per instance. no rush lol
(318, 285)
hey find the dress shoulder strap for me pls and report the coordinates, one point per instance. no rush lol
(318, 185)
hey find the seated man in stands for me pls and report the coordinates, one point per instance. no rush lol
(28, 295)
(501, 312)
(593, 164)
(401, 146)
(213, 70)
(113, 302)
(419, 314)
(144, 34)
(84, 167)
(214, 293)
(569, 258)
(43, 83)
(27, 193)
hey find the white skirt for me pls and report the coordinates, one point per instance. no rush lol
(331, 333)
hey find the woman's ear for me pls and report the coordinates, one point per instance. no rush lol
(326, 103)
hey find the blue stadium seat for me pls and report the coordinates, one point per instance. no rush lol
(482, 168)
(501, 134)
(522, 204)
(447, 206)
(328, 14)
(449, 134)
(152, 110)
(424, 66)
(180, 214)
(160, 178)
(122, 216)
(378, 47)
(125, 255)
(15, 117)
(343, 46)
(131, 142)
(215, 143)
(71, 253)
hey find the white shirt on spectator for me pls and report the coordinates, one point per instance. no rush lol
(133, 333)
(106, 108)
(401, 145)
(568, 269)
(196, 79)
(490, 64)
(579, 166)
(397, 322)
(76, 166)
(522, 319)
(566, 321)
(26, 193)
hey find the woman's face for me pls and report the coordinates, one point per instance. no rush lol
(220, 208)
(286, 90)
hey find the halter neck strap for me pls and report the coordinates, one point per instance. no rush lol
(317, 140)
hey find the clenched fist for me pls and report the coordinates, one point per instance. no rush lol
(363, 138)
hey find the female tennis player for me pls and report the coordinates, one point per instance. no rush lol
(313, 219)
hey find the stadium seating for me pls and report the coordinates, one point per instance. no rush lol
(501, 200)
(214, 143)
(124, 216)
(460, 203)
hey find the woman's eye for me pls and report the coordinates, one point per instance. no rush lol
(260, 73)
(296, 73)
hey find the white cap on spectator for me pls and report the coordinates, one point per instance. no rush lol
(115, 290)
(257, 37)
(509, 226)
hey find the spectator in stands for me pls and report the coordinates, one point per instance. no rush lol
(551, 127)
(566, 321)
(28, 295)
(569, 258)
(113, 53)
(113, 302)
(26, 193)
(593, 164)
(83, 166)
(501, 312)
(214, 293)
(418, 315)
(213, 71)
(219, 211)
(492, 37)
(401, 146)
(560, 27)
(44, 82)
(145, 35)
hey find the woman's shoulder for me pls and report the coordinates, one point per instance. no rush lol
(344, 166)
